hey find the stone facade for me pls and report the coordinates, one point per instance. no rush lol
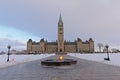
(60, 45)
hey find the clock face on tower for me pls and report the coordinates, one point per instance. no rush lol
(60, 23)
(60, 30)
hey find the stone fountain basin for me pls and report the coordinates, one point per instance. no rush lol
(55, 62)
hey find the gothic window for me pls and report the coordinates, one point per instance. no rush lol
(60, 29)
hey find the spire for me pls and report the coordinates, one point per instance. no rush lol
(60, 20)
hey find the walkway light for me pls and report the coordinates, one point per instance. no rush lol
(8, 52)
(108, 59)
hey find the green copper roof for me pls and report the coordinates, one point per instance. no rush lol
(60, 19)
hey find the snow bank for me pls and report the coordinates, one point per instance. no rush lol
(99, 57)
(17, 59)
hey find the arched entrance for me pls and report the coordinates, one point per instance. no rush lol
(60, 50)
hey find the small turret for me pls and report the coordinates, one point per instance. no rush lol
(42, 45)
(30, 40)
(79, 45)
(42, 40)
(78, 39)
(91, 45)
(29, 46)
(91, 39)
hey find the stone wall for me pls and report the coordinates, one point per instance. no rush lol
(85, 47)
(36, 48)
(50, 48)
(70, 48)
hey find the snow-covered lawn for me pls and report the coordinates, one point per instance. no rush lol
(17, 59)
(99, 57)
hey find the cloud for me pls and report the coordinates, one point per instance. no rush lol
(98, 19)
(15, 34)
(15, 44)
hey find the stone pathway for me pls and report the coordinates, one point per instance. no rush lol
(83, 70)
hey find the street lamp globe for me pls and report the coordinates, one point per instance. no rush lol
(107, 46)
(8, 46)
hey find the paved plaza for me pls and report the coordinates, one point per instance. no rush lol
(83, 70)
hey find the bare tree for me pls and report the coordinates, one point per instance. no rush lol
(100, 45)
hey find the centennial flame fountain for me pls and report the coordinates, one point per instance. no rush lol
(60, 58)
(60, 61)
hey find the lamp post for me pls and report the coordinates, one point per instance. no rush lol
(8, 52)
(107, 53)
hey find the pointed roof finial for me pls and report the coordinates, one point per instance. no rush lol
(60, 19)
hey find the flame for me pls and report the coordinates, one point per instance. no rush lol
(60, 58)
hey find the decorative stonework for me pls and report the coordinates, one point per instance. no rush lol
(60, 45)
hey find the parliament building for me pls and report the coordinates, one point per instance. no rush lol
(60, 45)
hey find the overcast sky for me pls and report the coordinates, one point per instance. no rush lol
(36, 19)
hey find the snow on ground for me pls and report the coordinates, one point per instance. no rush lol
(99, 57)
(17, 59)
